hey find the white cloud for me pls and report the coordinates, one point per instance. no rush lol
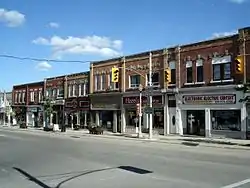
(94, 45)
(224, 34)
(44, 66)
(238, 1)
(54, 25)
(11, 18)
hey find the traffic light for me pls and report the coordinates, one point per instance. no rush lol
(239, 61)
(115, 74)
(167, 75)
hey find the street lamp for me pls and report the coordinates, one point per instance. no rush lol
(140, 113)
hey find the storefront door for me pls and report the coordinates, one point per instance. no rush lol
(196, 122)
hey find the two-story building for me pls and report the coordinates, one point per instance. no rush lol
(207, 95)
(54, 90)
(77, 102)
(27, 103)
(114, 104)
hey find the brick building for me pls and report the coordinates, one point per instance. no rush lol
(202, 98)
(54, 90)
(27, 103)
(77, 103)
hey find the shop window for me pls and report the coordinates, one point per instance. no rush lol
(155, 79)
(226, 120)
(189, 72)
(222, 68)
(135, 81)
(199, 71)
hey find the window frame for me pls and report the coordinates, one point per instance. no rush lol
(134, 85)
(222, 62)
(154, 84)
(189, 66)
(199, 64)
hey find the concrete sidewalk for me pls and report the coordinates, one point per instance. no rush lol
(170, 139)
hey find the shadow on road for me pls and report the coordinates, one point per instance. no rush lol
(78, 174)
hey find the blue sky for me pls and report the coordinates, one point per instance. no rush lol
(100, 29)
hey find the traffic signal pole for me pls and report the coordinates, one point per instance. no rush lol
(150, 97)
(244, 57)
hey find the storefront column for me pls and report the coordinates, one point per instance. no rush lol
(72, 125)
(207, 122)
(91, 118)
(66, 119)
(78, 118)
(243, 121)
(166, 116)
(123, 121)
(97, 118)
(33, 119)
(85, 118)
(27, 119)
(44, 119)
(50, 119)
(179, 120)
(8, 119)
(114, 121)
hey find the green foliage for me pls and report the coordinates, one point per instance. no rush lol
(48, 106)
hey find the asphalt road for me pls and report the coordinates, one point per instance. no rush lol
(33, 160)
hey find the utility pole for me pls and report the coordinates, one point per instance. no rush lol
(150, 97)
(244, 57)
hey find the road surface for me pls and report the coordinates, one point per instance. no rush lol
(33, 160)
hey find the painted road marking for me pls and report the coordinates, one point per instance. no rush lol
(237, 184)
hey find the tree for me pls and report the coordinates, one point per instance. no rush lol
(48, 109)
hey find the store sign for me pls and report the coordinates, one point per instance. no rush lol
(209, 99)
(135, 100)
(105, 106)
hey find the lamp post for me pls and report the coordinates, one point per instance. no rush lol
(140, 111)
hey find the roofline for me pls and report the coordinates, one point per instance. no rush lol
(26, 84)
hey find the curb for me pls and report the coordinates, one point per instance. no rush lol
(184, 142)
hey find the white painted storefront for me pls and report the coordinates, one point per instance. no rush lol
(210, 112)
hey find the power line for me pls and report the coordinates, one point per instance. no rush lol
(41, 59)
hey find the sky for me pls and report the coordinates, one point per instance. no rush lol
(89, 30)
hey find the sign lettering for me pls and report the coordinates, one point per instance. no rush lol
(209, 99)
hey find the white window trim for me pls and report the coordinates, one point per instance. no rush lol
(96, 81)
(221, 60)
(23, 97)
(189, 64)
(73, 93)
(130, 82)
(199, 63)
(16, 97)
(154, 84)
(39, 96)
(32, 98)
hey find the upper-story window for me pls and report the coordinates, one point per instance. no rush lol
(75, 90)
(60, 92)
(36, 95)
(23, 96)
(54, 92)
(16, 97)
(155, 79)
(49, 92)
(172, 67)
(199, 71)
(103, 81)
(189, 72)
(97, 82)
(112, 85)
(221, 68)
(40, 96)
(83, 89)
(134, 81)
(32, 96)
(19, 97)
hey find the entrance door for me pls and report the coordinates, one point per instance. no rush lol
(172, 120)
(196, 122)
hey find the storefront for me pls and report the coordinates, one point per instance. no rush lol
(105, 111)
(20, 114)
(215, 113)
(130, 105)
(34, 116)
(77, 111)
